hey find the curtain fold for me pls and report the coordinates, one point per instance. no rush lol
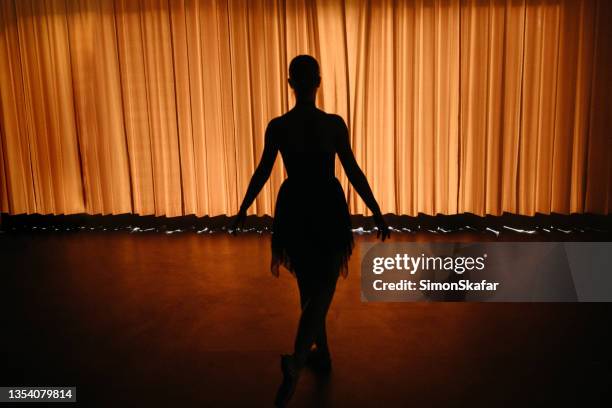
(160, 106)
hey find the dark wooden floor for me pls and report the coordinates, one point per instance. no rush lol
(186, 320)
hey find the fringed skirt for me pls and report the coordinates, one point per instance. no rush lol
(311, 220)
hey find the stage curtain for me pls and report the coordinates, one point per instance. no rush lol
(159, 107)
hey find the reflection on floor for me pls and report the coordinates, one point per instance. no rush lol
(197, 320)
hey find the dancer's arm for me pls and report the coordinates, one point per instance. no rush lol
(357, 178)
(352, 169)
(263, 170)
(260, 176)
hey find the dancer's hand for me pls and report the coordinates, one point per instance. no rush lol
(383, 229)
(238, 222)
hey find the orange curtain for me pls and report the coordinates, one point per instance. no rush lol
(159, 107)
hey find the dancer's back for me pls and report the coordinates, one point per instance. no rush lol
(307, 139)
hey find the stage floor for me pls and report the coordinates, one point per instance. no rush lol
(186, 320)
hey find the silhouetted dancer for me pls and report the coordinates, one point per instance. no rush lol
(311, 233)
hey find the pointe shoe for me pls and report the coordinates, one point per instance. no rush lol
(291, 374)
(319, 361)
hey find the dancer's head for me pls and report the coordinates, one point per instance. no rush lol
(304, 76)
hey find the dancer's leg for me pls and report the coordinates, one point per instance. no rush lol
(323, 275)
(317, 282)
(307, 285)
